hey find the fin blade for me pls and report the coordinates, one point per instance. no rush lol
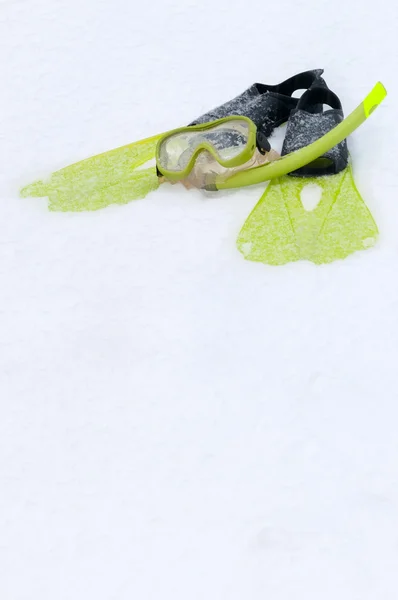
(268, 235)
(109, 178)
(279, 230)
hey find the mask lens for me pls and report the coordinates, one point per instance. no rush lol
(227, 140)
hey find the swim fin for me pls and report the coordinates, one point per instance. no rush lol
(280, 229)
(114, 177)
(109, 178)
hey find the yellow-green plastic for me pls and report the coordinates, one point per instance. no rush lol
(299, 158)
(280, 230)
(236, 161)
(113, 177)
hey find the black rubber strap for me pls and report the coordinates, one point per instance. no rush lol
(318, 95)
(301, 81)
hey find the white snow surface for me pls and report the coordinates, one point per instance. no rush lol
(176, 422)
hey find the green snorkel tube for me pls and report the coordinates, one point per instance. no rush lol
(304, 156)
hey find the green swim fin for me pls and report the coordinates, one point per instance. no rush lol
(280, 229)
(109, 178)
(114, 177)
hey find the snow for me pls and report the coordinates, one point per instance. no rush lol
(177, 422)
(310, 196)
